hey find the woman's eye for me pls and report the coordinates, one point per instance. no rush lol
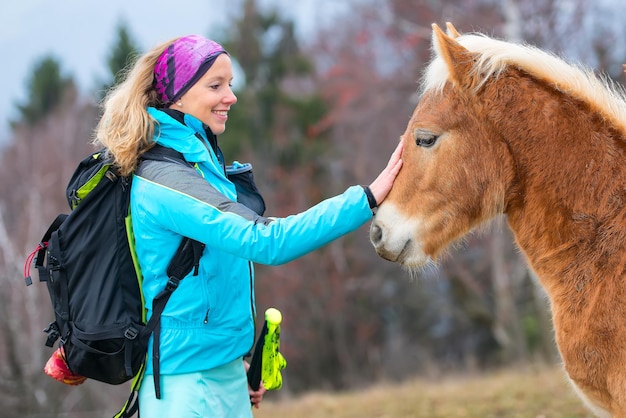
(424, 139)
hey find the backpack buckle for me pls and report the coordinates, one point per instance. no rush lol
(73, 198)
(172, 283)
(53, 333)
(131, 333)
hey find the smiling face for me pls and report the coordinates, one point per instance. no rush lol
(211, 97)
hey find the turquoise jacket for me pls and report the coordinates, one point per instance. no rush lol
(209, 320)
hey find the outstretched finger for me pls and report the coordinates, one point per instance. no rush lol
(395, 156)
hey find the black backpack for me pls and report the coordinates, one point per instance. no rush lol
(88, 262)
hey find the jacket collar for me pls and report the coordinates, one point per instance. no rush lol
(181, 132)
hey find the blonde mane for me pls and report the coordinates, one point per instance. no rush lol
(573, 79)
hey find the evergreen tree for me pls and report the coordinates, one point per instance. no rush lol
(122, 55)
(274, 110)
(47, 88)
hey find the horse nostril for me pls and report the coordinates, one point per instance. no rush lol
(376, 234)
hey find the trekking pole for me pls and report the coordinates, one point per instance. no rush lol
(267, 361)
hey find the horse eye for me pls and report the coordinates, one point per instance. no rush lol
(424, 139)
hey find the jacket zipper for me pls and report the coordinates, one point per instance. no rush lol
(252, 309)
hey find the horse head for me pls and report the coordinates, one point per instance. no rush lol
(455, 170)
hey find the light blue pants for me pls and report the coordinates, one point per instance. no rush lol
(221, 393)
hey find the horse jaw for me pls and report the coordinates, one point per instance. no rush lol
(394, 237)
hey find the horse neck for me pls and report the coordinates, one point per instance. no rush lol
(567, 205)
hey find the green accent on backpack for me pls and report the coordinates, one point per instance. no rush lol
(91, 184)
(131, 242)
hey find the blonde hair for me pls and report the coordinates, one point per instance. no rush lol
(125, 128)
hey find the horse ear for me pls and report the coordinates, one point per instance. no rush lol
(452, 32)
(457, 58)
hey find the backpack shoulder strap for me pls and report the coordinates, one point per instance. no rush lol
(186, 258)
(161, 153)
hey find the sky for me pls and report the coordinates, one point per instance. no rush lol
(79, 33)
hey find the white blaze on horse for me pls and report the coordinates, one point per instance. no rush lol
(502, 128)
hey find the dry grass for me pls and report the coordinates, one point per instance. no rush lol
(537, 393)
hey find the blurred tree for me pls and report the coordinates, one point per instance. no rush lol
(275, 105)
(46, 90)
(122, 55)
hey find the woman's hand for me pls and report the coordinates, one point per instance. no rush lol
(382, 185)
(255, 396)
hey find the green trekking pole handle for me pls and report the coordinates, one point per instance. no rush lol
(267, 361)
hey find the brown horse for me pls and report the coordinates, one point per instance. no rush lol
(502, 128)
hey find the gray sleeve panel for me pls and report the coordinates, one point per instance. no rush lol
(185, 179)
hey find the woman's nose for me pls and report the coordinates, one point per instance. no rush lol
(231, 99)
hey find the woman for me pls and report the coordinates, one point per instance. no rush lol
(178, 95)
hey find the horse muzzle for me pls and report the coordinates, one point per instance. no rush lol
(393, 238)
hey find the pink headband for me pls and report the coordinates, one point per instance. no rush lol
(182, 64)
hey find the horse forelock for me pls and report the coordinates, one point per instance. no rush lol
(494, 56)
